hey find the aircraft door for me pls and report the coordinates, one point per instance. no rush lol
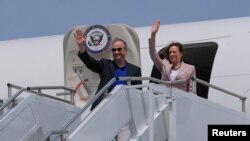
(98, 43)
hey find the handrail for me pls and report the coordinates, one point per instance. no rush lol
(92, 100)
(243, 98)
(50, 87)
(151, 79)
(49, 96)
(31, 90)
(9, 85)
(40, 88)
(12, 99)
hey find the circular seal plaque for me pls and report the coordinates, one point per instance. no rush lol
(97, 38)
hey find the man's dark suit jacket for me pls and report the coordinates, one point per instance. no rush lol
(105, 68)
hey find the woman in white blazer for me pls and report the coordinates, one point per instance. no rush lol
(172, 66)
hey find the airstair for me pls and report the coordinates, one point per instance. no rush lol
(28, 115)
(147, 112)
(152, 112)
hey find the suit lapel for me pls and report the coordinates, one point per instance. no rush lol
(181, 71)
(168, 71)
(129, 70)
(112, 68)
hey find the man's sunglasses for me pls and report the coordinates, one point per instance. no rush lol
(116, 49)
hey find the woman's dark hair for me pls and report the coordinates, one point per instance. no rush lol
(180, 47)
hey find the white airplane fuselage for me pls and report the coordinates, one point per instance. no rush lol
(39, 61)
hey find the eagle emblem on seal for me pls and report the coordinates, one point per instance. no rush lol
(97, 38)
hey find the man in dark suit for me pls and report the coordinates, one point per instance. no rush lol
(106, 68)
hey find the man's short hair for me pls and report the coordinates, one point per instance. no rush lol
(119, 39)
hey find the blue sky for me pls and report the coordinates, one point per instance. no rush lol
(31, 18)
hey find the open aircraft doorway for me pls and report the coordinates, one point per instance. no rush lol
(201, 55)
